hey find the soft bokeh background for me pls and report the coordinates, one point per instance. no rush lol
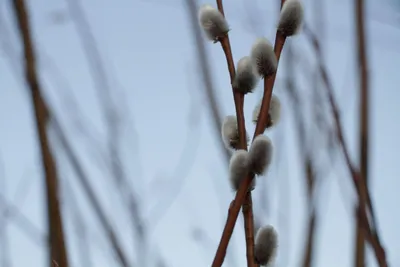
(164, 139)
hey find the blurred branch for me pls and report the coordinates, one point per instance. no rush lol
(185, 163)
(364, 131)
(102, 83)
(305, 157)
(371, 234)
(81, 230)
(83, 179)
(11, 212)
(203, 60)
(58, 251)
(4, 241)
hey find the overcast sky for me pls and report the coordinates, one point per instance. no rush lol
(170, 148)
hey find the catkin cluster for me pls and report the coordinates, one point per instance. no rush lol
(260, 63)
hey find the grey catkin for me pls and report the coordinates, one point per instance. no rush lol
(263, 57)
(260, 154)
(246, 78)
(266, 243)
(291, 18)
(212, 22)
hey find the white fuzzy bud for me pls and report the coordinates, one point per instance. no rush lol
(263, 56)
(246, 78)
(230, 132)
(274, 111)
(213, 22)
(238, 168)
(260, 154)
(266, 244)
(291, 18)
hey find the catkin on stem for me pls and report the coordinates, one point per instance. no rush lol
(230, 132)
(246, 78)
(291, 18)
(213, 22)
(274, 112)
(260, 154)
(263, 57)
(266, 244)
(238, 168)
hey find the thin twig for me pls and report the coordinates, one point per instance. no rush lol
(84, 181)
(103, 86)
(81, 229)
(4, 240)
(58, 249)
(309, 173)
(12, 212)
(206, 73)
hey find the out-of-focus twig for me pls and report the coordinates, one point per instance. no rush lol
(102, 83)
(203, 60)
(364, 125)
(305, 157)
(57, 247)
(72, 157)
(24, 224)
(4, 241)
(81, 229)
(371, 234)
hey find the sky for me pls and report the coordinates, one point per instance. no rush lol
(170, 149)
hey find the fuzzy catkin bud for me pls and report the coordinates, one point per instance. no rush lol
(265, 245)
(260, 154)
(238, 168)
(263, 57)
(291, 18)
(213, 22)
(230, 132)
(246, 78)
(274, 112)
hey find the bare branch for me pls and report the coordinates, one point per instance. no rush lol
(58, 249)
(123, 260)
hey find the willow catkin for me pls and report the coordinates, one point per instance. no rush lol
(246, 77)
(266, 243)
(274, 111)
(260, 154)
(230, 132)
(213, 22)
(238, 168)
(263, 57)
(291, 18)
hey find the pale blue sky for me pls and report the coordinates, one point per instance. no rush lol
(151, 59)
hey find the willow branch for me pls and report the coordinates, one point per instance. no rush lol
(58, 251)
(239, 101)
(240, 196)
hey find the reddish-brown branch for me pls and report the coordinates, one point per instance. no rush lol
(241, 193)
(239, 101)
(233, 213)
(247, 210)
(58, 251)
(364, 93)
